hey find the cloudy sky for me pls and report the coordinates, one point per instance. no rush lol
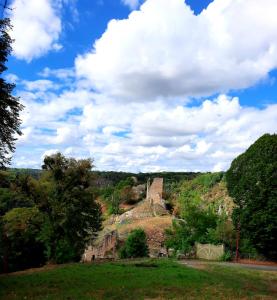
(144, 85)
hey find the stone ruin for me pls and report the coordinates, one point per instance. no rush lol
(155, 193)
(153, 206)
(106, 248)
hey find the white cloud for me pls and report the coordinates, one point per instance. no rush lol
(41, 85)
(133, 4)
(36, 27)
(139, 137)
(164, 50)
(62, 74)
(49, 153)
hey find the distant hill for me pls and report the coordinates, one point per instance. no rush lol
(32, 172)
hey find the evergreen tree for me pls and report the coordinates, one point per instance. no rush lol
(9, 105)
(252, 182)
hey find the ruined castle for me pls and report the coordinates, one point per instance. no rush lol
(149, 214)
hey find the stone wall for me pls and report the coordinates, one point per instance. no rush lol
(106, 249)
(209, 251)
(155, 192)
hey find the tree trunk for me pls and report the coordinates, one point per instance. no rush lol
(237, 242)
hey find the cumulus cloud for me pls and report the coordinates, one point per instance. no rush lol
(165, 50)
(36, 27)
(138, 137)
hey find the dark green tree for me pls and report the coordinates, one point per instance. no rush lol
(9, 105)
(135, 245)
(73, 216)
(21, 228)
(252, 182)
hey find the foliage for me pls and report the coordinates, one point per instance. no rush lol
(252, 181)
(21, 227)
(73, 216)
(223, 233)
(194, 227)
(135, 245)
(9, 105)
(227, 256)
(121, 193)
(199, 220)
(50, 218)
(247, 250)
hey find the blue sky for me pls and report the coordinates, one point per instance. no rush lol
(144, 85)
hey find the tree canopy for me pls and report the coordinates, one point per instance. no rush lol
(252, 182)
(50, 218)
(9, 105)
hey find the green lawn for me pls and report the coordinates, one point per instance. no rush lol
(148, 279)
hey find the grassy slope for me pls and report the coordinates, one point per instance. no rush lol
(149, 279)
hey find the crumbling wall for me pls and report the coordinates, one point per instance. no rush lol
(155, 192)
(107, 248)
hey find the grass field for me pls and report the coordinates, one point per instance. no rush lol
(142, 279)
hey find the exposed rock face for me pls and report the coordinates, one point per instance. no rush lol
(138, 191)
(149, 214)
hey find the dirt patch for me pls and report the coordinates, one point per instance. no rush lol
(273, 286)
(34, 270)
(257, 262)
(196, 265)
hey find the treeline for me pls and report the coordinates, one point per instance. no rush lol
(106, 178)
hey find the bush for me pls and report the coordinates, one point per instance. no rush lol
(227, 256)
(135, 245)
(247, 250)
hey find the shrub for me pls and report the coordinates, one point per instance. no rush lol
(226, 256)
(135, 245)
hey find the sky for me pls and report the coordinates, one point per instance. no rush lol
(143, 86)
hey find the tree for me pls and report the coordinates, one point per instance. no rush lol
(135, 245)
(21, 228)
(195, 226)
(73, 216)
(252, 181)
(9, 105)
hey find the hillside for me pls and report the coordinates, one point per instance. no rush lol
(152, 214)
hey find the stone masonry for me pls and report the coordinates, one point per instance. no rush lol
(155, 192)
(106, 249)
